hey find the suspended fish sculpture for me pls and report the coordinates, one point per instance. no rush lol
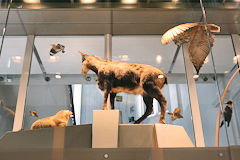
(196, 35)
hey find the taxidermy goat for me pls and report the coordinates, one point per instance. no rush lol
(138, 79)
(58, 120)
(56, 48)
(227, 113)
(196, 35)
(176, 114)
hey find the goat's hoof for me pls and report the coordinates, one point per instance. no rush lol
(162, 121)
(136, 122)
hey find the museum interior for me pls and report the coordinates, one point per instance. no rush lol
(119, 79)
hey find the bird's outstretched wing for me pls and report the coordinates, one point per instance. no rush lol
(174, 32)
(199, 47)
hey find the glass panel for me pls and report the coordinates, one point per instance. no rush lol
(11, 62)
(63, 69)
(148, 50)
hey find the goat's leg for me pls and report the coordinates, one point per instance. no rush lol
(112, 97)
(163, 103)
(149, 108)
(107, 88)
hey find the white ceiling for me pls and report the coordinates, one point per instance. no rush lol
(140, 49)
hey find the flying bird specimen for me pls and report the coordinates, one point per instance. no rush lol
(56, 48)
(196, 35)
(227, 113)
(33, 113)
(9, 110)
(176, 114)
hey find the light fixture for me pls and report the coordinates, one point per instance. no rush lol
(124, 57)
(195, 76)
(175, 1)
(225, 72)
(17, 59)
(129, 1)
(160, 76)
(52, 59)
(58, 75)
(206, 60)
(158, 59)
(236, 59)
(87, 1)
(31, 1)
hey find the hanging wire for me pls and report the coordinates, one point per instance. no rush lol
(5, 26)
(214, 67)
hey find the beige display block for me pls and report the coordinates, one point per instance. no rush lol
(137, 136)
(172, 136)
(105, 128)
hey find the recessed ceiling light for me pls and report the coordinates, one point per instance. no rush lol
(195, 76)
(129, 1)
(175, 1)
(31, 1)
(124, 57)
(158, 59)
(58, 75)
(17, 59)
(52, 59)
(88, 1)
(225, 72)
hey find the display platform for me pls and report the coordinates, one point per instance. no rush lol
(134, 142)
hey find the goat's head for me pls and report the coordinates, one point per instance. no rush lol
(85, 68)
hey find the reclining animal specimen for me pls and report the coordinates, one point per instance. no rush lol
(138, 79)
(196, 35)
(58, 120)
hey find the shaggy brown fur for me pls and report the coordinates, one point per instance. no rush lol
(138, 79)
(58, 120)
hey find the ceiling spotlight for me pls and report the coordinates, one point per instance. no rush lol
(31, 1)
(195, 76)
(52, 59)
(87, 1)
(58, 75)
(129, 1)
(236, 59)
(158, 59)
(225, 72)
(17, 59)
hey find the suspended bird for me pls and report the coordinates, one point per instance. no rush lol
(176, 114)
(56, 48)
(227, 113)
(33, 113)
(196, 35)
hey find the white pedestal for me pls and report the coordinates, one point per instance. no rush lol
(105, 128)
(171, 136)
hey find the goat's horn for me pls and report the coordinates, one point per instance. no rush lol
(83, 54)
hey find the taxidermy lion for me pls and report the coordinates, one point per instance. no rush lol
(58, 120)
